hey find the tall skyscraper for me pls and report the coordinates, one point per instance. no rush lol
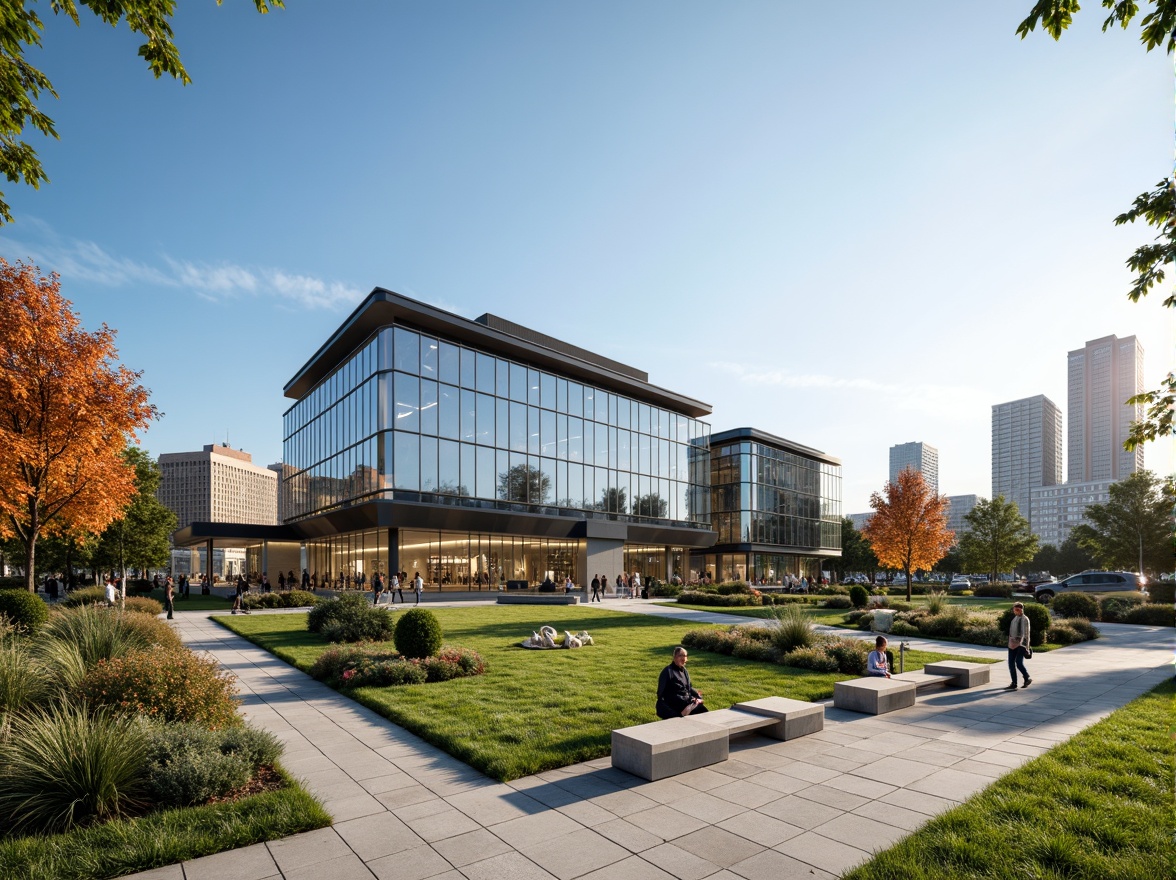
(1026, 449)
(1101, 377)
(920, 457)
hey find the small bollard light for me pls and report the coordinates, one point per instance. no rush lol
(902, 649)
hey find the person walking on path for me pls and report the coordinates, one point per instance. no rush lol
(111, 593)
(595, 588)
(242, 589)
(676, 696)
(418, 586)
(621, 587)
(169, 595)
(377, 588)
(394, 588)
(1018, 647)
(636, 586)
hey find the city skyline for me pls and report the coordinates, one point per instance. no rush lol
(668, 186)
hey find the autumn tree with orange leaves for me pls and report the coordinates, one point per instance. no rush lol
(67, 411)
(908, 530)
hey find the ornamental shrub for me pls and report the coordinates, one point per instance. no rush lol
(1083, 628)
(1076, 605)
(1151, 615)
(815, 658)
(665, 590)
(947, 624)
(1039, 621)
(359, 623)
(261, 600)
(189, 764)
(976, 634)
(1113, 609)
(71, 767)
(859, 596)
(453, 662)
(26, 610)
(905, 628)
(851, 654)
(731, 588)
(384, 673)
(332, 609)
(994, 591)
(165, 684)
(299, 599)
(330, 663)
(751, 649)
(1162, 592)
(418, 633)
(729, 600)
(85, 596)
(143, 605)
(838, 601)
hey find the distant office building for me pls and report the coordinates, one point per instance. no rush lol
(1026, 449)
(919, 457)
(1101, 377)
(1057, 509)
(218, 484)
(776, 506)
(284, 471)
(860, 519)
(959, 507)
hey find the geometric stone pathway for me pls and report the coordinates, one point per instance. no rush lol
(812, 807)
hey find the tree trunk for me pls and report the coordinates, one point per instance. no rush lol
(907, 571)
(30, 559)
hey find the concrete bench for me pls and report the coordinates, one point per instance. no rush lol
(964, 675)
(923, 681)
(666, 748)
(875, 695)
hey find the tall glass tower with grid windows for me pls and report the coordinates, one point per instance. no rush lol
(1101, 377)
(920, 457)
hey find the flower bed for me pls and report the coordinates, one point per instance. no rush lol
(372, 666)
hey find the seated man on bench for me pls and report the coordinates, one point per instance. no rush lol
(676, 697)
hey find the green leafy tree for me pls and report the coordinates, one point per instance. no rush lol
(140, 537)
(1046, 559)
(650, 505)
(1073, 558)
(1156, 208)
(524, 483)
(952, 563)
(22, 84)
(613, 501)
(856, 553)
(1133, 530)
(998, 538)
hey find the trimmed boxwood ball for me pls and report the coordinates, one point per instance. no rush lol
(1039, 621)
(1076, 605)
(24, 609)
(418, 633)
(859, 596)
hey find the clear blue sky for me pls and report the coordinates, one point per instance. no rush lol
(849, 224)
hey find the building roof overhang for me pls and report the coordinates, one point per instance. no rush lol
(772, 440)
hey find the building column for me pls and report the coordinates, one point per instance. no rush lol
(265, 556)
(394, 551)
(208, 560)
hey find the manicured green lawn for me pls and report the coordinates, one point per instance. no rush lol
(1098, 806)
(114, 849)
(196, 602)
(835, 616)
(536, 710)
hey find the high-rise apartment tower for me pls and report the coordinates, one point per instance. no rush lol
(218, 484)
(1100, 378)
(1026, 448)
(918, 456)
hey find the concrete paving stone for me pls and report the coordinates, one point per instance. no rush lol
(490, 806)
(1018, 749)
(774, 865)
(924, 756)
(895, 772)
(353, 806)
(758, 828)
(169, 872)
(895, 742)
(607, 773)
(626, 834)
(900, 817)
(349, 867)
(746, 793)
(632, 868)
(473, 846)
(951, 784)
(679, 863)
(860, 785)
(439, 826)
(388, 782)
(800, 812)
(821, 852)
(832, 762)
(587, 787)
(971, 765)
(665, 791)
(623, 803)
(400, 798)
(532, 829)
(547, 793)
(719, 846)
(332, 783)
(310, 848)
(811, 773)
(736, 769)
(575, 854)
(412, 864)
(837, 737)
(703, 779)
(508, 866)
(374, 836)
(370, 767)
(707, 807)
(780, 782)
(833, 797)
(873, 835)
(1010, 760)
(960, 750)
(588, 814)
(920, 802)
(666, 822)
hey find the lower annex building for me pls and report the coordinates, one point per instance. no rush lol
(481, 453)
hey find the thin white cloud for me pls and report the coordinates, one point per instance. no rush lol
(88, 261)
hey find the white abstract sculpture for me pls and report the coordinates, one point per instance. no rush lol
(570, 641)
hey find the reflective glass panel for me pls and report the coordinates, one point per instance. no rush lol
(561, 436)
(518, 427)
(485, 424)
(449, 468)
(449, 411)
(408, 402)
(533, 429)
(621, 416)
(547, 391)
(589, 402)
(575, 399)
(429, 357)
(533, 387)
(486, 371)
(468, 378)
(561, 395)
(406, 461)
(547, 433)
(502, 423)
(518, 383)
(486, 473)
(449, 363)
(407, 352)
(589, 445)
(428, 407)
(502, 378)
(428, 464)
(468, 413)
(468, 467)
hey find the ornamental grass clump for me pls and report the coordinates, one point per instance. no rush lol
(936, 601)
(165, 684)
(793, 629)
(71, 767)
(143, 605)
(76, 639)
(22, 683)
(84, 596)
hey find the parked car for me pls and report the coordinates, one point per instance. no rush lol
(1092, 582)
(959, 582)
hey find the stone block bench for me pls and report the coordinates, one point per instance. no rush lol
(875, 695)
(666, 748)
(532, 599)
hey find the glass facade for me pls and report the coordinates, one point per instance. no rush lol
(764, 495)
(418, 417)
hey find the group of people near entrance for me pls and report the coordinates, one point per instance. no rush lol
(393, 587)
(677, 698)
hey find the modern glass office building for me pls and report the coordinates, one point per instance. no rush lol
(776, 508)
